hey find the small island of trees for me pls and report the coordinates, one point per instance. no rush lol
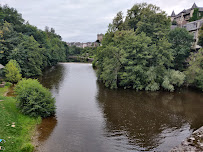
(141, 52)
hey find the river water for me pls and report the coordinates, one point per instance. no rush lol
(92, 118)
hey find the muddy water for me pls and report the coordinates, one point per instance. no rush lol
(92, 118)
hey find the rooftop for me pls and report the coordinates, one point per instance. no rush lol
(186, 11)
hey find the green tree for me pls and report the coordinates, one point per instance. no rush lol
(8, 41)
(10, 15)
(181, 41)
(75, 50)
(194, 72)
(149, 19)
(12, 70)
(200, 42)
(29, 56)
(112, 64)
(118, 21)
(33, 99)
(32, 48)
(139, 56)
(134, 61)
(196, 15)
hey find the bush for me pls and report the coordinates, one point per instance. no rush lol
(194, 72)
(33, 99)
(8, 84)
(173, 78)
(198, 82)
(12, 70)
(27, 148)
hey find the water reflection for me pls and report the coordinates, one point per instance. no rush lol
(52, 77)
(46, 128)
(149, 119)
(91, 117)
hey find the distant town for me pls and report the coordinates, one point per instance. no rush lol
(88, 44)
(182, 19)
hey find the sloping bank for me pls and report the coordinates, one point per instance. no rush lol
(194, 143)
(16, 128)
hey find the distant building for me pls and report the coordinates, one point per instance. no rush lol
(184, 16)
(182, 20)
(82, 45)
(87, 44)
(100, 37)
(77, 44)
(193, 27)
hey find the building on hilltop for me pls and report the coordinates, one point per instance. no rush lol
(194, 27)
(100, 37)
(183, 20)
(184, 16)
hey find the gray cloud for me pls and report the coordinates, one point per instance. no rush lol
(82, 20)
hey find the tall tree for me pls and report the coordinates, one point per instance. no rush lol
(149, 19)
(194, 72)
(118, 21)
(181, 41)
(8, 40)
(29, 56)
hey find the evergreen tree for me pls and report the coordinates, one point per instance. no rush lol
(12, 70)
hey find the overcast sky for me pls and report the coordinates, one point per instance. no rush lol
(82, 20)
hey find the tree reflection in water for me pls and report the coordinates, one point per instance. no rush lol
(53, 76)
(46, 128)
(149, 119)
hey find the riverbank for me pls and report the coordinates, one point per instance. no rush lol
(193, 143)
(16, 128)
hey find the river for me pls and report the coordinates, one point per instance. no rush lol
(92, 118)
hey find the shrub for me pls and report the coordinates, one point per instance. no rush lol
(199, 81)
(33, 99)
(12, 70)
(173, 78)
(8, 84)
(194, 72)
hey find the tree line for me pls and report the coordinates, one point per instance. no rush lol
(140, 51)
(32, 48)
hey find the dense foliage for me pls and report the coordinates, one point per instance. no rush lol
(194, 72)
(196, 15)
(33, 99)
(200, 42)
(141, 52)
(12, 70)
(181, 42)
(32, 48)
(88, 52)
(73, 50)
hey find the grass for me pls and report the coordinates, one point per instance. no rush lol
(16, 128)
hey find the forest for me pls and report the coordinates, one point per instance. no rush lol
(32, 48)
(141, 52)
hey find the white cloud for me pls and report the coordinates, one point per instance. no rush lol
(82, 20)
